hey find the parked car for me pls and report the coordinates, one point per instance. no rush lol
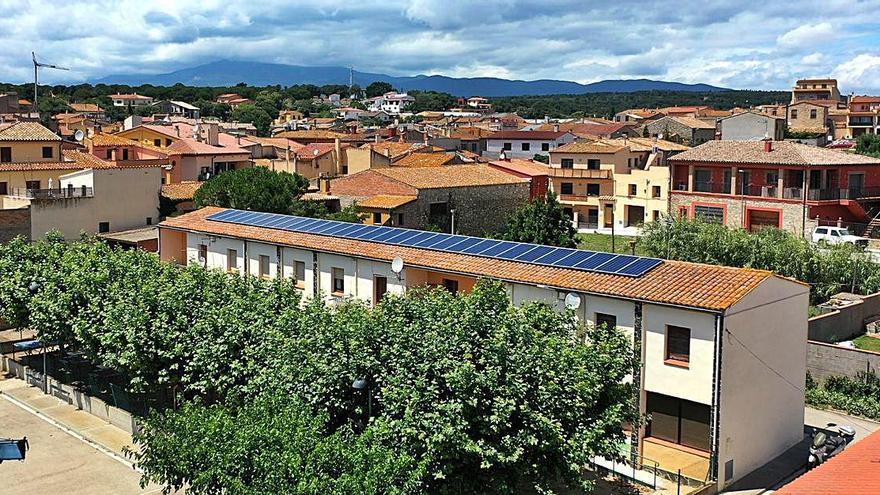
(838, 235)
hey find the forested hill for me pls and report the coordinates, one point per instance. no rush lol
(607, 104)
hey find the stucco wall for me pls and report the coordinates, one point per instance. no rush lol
(763, 367)
(32, 151)
(751, 127)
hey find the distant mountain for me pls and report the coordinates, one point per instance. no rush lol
(230, 73)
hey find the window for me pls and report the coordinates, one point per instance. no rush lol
(607, 320)
(299, 272)
(450, 285)
(4, 188)
(656, 215)
(526, 146)
(682, 212)
(772, 178)
(592, 189)
(545, 146)
(264, 266)
(47, 152)
(377, 218)
(380, 288)
(203, 253)
(567, 188)
(794, 113)
(338, 281)
(5, 154)
(231, 260)
(125, 153)
(821, 230)
(592, 164)
(655, 191)
(567, 163)
(157, 142)
(167, 142)
(149, 220)
(713, 214)
(508, 146)
(813, 113)
(32, 184)
(633, 190)
(400, 219)
(104, 227)
(678, 344)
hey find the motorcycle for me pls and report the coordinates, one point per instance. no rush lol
(827, 445)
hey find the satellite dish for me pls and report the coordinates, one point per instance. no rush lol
(660, 136)
(79, 135)
(572, 301)
(397, 265)
(502, 156)
(315, 152)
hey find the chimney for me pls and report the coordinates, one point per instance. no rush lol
(555, 127)
(177, 128)
(768, 146)
(337, 147)
(113, 154)
(324, 184)
(238, 139)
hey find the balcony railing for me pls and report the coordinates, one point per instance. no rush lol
(813, 194)
(61, 193)
(580, 173)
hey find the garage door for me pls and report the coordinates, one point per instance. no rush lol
(678, 421)
(759, 219)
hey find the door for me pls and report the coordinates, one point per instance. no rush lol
(593, 218)
(380, 288)
(635, 216)
(608, 217)
(856, 185)
(759, 219)
(678, 421)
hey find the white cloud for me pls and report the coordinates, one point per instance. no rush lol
(725, 43)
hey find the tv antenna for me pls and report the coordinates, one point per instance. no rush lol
(37, 65)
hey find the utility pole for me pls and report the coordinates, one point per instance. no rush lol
(37, 65)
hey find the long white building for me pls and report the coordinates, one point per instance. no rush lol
(722, 349)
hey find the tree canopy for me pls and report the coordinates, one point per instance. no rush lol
(541, 221)
(378, 88)
(253, 188)
(868, 144)
(464, 393)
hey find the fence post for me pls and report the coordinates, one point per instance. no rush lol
(678, 488)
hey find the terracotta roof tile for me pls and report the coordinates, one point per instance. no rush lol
(180, 190)
(672, 282)
(588, 147)
(855, 471)
(528, 168)
(386, 201)
(424, 160)
(27, 131)
(453, 176)
(783, 153)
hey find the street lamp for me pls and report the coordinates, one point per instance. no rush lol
(360, 385)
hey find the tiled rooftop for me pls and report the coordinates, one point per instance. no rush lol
(386, 201)
(686, 284)
(424, 160)
(783, 153)
(855, 471)
(453, 176)
(27, 131)
(180, 190)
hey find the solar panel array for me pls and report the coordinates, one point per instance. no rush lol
(577, 259)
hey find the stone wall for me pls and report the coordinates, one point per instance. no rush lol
(792, 211)
(824, 360)
(14, 223)
(478, 210)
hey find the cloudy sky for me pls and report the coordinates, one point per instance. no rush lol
(735, 43)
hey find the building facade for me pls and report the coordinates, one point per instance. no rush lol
(719, 346)
(526, 144)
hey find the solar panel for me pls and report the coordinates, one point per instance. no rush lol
(535, 253)
(631, 266)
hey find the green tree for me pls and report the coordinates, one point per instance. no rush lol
(255, 115)
(542, 221)
(378, 88)
(252, 188)
(868, 144)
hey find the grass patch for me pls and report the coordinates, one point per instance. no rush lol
(867, 343)
(602, 242)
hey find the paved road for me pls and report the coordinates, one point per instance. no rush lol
(59, 463)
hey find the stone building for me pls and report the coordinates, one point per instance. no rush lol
(685, 130)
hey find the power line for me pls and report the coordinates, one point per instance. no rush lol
(780, 375)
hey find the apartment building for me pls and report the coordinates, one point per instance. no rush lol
(752, 126)
(815, 89)
(753, 184)
(392, 103)
(613, 183)
(720, 347)
(526, 144)
(864, 115)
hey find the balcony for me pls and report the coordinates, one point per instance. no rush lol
(579, 173)
(813, 194)
(65, 193)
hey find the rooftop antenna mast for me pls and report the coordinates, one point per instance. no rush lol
(350, 78)
(37, 65)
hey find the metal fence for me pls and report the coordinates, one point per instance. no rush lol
(59, 193)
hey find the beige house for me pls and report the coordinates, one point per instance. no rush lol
(723, 350)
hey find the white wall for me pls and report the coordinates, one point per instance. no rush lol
(762, 414)
(496, 146)
(693, 383)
